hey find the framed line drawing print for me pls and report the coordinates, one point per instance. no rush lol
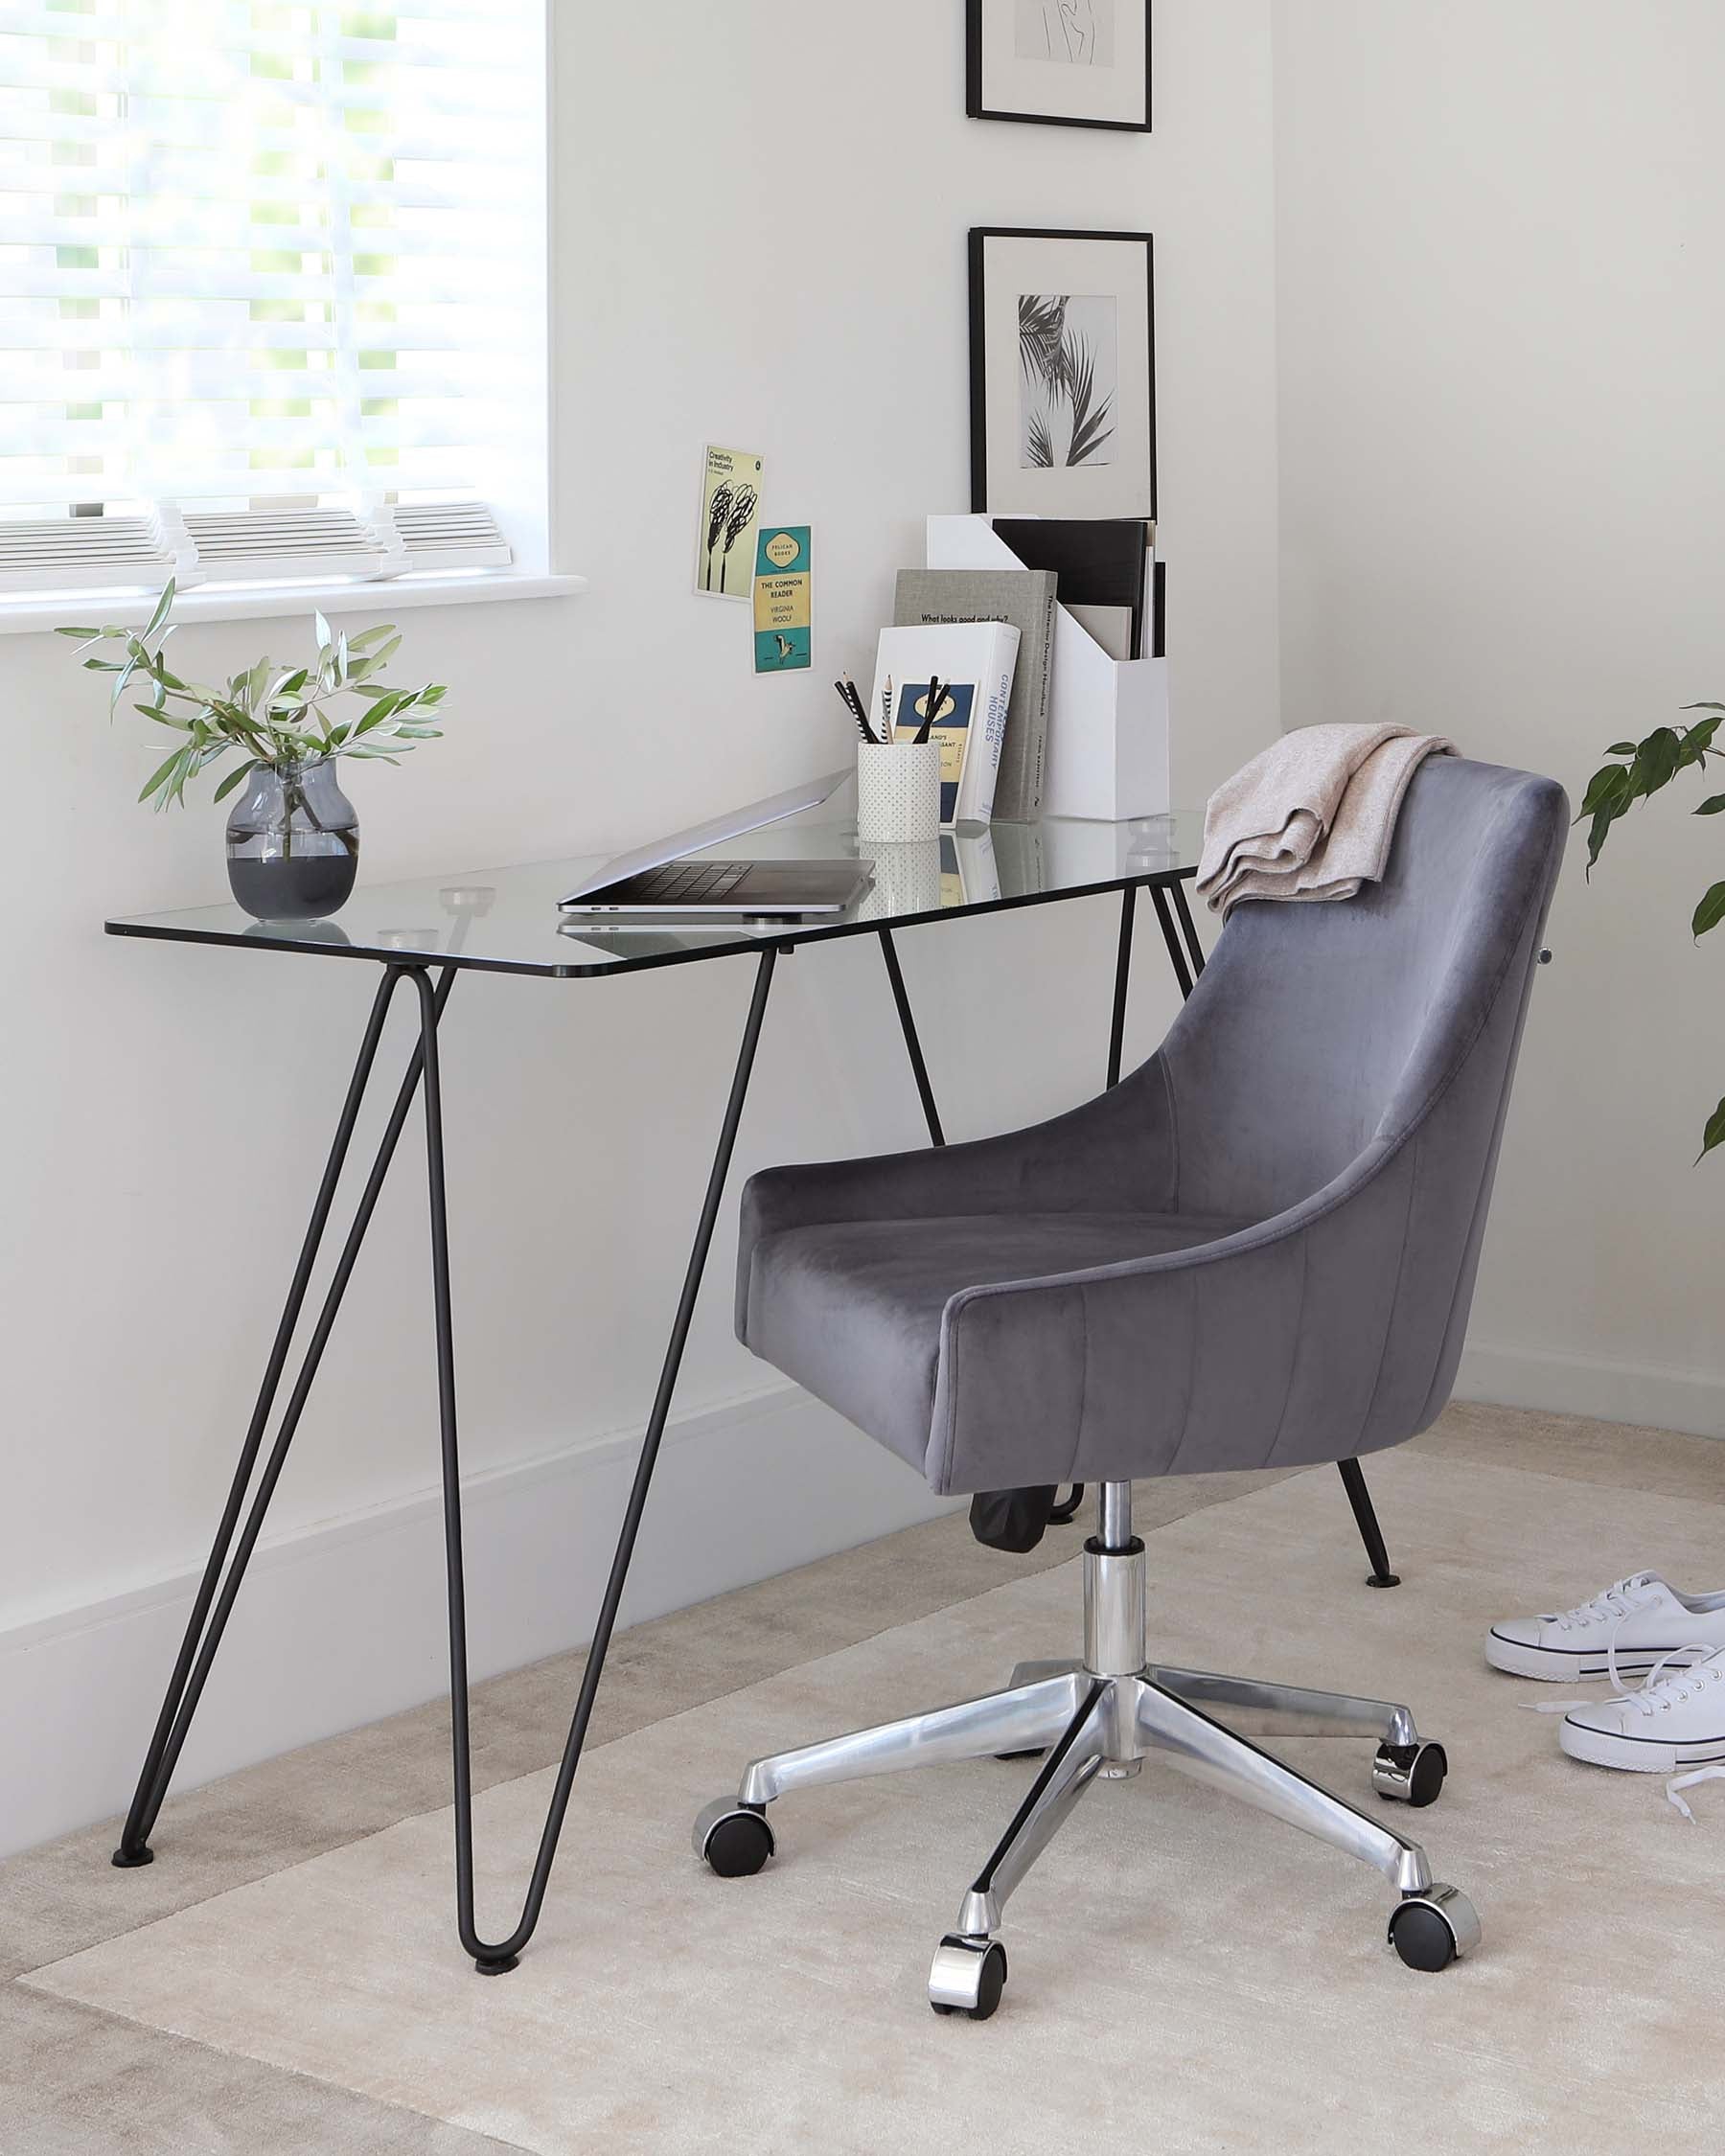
(1066, 64)
(1062, 373)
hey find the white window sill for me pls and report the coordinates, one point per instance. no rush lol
(257, 602)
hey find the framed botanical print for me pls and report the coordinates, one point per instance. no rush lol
(1067, 64)
(1062, 373)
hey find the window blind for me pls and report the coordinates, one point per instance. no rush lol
(272, 274)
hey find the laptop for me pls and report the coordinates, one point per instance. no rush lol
(657, 881)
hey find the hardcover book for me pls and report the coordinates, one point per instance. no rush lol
(1026, 599)
(975, 663)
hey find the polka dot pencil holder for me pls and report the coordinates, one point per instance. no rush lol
(898, 792)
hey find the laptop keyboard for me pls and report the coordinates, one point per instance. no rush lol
(690, 883)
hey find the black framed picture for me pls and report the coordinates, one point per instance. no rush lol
(1062, 373)
(1064, 63)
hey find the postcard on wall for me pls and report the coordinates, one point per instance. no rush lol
(731, 511)
(783, 599)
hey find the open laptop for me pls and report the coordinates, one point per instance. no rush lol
(657, 881)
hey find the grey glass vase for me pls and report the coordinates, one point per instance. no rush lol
(292, 843)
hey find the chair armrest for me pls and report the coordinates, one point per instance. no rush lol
(1246, 1352)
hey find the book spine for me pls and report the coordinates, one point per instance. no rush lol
(987, 732)
(1024, 759)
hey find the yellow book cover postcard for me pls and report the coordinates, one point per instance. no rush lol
(731, 509)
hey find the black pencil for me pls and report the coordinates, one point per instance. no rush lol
(852, 705)
(935, 693)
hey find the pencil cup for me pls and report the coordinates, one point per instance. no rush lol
(898, 792)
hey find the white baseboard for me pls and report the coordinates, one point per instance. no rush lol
(1588, 1384)
(343, 1623)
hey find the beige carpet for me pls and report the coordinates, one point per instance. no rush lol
(1185, 1975)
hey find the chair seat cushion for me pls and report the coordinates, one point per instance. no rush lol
(852, 1309)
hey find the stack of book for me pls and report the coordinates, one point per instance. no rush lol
(1099, 573)
(1090, 727)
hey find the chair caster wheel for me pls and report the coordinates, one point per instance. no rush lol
(968, 1977)
(734, 1839)
(1430, 1931)
(1411, 1773)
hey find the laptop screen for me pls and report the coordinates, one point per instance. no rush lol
(773, 810)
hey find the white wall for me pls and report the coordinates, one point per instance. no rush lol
(760, 228)
(1503, 442)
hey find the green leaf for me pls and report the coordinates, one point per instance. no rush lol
(160, 772)
(364, 641)
(1715, 1134)
(162, 606)
(1622, 748)
(1704, 707)
(1656, 761)
(1711, 911)
(236, 777)
(326, 635)
(1711, 806)
(1596, 836)
(89, 636)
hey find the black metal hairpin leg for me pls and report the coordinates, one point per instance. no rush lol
(1353, 1481)
(492, 1959)
(205, 1629)
(1177, 957)
(1187, 927)
(919, 1069)
(1353, 1475)
(1116, 1032)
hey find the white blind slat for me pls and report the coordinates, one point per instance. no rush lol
(250, 251)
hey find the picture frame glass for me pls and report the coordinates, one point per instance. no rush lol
(1063, 376)
(1083, 62)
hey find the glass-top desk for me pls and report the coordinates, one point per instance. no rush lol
(425, 933)
(505, 920)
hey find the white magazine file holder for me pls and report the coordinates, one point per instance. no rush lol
(1108, 718)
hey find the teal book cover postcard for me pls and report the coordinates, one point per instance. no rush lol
(784, 614)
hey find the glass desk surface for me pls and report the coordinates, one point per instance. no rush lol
(506, 920)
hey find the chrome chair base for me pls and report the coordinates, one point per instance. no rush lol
(1099, 1719)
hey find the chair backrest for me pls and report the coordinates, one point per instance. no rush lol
(1319, 1029)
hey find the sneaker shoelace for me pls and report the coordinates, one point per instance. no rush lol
(1618, 1600)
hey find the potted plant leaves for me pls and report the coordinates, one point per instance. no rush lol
(292, 836)
(1644, 768)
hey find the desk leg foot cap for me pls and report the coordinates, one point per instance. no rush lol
(1383, 1579)
(129, 1859)
(498, 1965)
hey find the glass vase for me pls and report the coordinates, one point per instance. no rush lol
(292, 843)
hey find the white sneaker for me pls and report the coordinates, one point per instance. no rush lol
(1677, 1720)
(1623, 1632)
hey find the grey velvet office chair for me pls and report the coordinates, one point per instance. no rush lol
(1257, 1252)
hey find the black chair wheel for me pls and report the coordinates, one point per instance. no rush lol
(967, 1977)
(1430, 1931)
(1410, 1774)
(734, 1842)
